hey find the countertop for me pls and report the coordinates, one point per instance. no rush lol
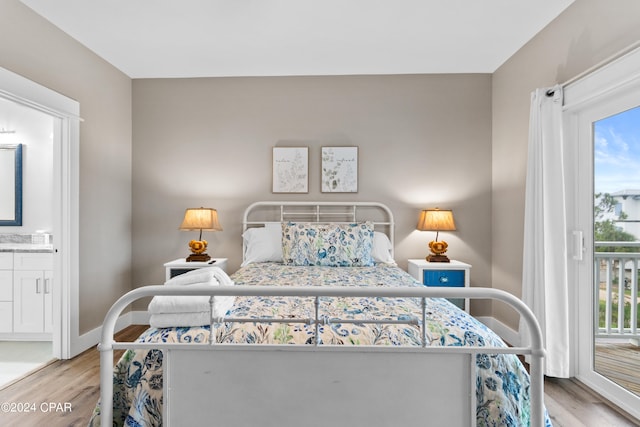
(25, 247)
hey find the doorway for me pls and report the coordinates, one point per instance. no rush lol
(602, 137)
(64, 113)
(27, 331)
(616, 171)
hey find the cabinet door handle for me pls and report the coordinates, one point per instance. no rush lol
(47, 286)
(37, 286)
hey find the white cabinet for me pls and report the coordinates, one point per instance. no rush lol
(48, 302)
(6, 260)
(32, 287)
(6, 292)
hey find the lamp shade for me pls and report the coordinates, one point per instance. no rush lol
(436, 220)
(201, 219)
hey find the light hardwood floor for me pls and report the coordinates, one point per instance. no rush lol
(76, 382)
(570, 403)
(620, 362)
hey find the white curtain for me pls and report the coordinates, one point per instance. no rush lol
(545, 284)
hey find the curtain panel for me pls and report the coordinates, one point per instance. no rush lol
(545, 263)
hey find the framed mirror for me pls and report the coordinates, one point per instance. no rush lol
(11, 185)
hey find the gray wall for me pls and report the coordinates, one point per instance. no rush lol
(32, 47)
(455, 141)
(588, 32)
(424, 141)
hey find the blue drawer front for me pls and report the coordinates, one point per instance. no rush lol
(446, 278)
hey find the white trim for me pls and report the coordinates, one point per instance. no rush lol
(66, 200)
(615, 394)
(140, 317)
(617, 76)
(505, 332)
(92, 338)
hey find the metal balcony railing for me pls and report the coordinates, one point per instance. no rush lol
(616, 296)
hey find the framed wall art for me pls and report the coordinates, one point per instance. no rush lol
(290, 170)
(339, 169)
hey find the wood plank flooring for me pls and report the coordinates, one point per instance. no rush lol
(570, 404)
(76, 382)
(620, 362)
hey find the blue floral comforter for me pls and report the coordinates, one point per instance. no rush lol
(502, 385)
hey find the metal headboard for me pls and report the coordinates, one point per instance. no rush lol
(259, 213)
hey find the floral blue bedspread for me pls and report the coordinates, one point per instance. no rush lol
(502, 385)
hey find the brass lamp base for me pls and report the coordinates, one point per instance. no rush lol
(437, 251)
(198, 248)
(198, 258)
(438, 258)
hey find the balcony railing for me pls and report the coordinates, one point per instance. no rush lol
(616, 296)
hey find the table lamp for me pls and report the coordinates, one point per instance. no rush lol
(436, 220)
(200, 219)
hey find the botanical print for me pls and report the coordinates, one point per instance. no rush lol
(339, 169)
(290, 169)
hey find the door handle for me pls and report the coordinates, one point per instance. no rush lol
(578, 245)
(37, 286)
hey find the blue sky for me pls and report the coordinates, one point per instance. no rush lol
(617, 152)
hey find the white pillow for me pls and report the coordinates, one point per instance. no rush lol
(381, 251)
(263, 244)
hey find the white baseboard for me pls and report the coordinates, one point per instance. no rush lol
(505, 332)
(92, 338)
(139, 318)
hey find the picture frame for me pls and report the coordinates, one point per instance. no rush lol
(290, 171)
(339, 169)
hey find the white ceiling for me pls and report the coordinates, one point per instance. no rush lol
(197, 38)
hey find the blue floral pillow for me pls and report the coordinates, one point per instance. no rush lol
(330, 245)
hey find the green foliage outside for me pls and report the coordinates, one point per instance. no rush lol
(606, 230)
(614, 315)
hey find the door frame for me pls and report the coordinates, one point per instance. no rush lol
(66, 167)
(610, 90)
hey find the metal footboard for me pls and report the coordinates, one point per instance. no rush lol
(535, 350)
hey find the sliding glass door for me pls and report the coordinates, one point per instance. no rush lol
(602, 130)
(616, 251)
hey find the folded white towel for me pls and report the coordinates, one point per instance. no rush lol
(201, 275)
(168, 320)
(213, 276)
(164, 304)
(192, 277)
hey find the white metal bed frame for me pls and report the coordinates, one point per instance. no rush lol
(320, 212)
(283, 392)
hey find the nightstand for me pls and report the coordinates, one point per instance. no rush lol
(450, 274)
(180, 266)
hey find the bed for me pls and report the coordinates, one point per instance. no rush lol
(305, 333)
